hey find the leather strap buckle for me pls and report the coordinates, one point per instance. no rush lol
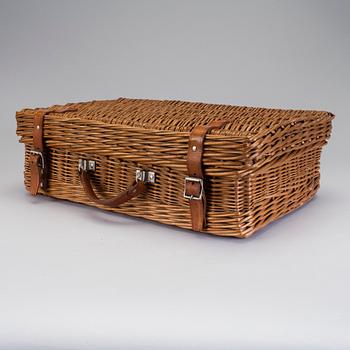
(38, 167)
(192, 196)
(194, 189)
(41, 156)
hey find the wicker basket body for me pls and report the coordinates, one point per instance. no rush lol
(261, 165)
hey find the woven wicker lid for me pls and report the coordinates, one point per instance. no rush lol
(182, 116)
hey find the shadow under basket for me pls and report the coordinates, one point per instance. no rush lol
(219, 169)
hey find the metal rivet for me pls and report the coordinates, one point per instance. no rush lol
(194, 148)
(38, 127)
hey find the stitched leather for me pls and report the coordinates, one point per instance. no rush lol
(132, 191)
(194, 169)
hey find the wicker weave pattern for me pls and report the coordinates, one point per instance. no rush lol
(263, 164)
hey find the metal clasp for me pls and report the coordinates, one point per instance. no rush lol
(87, 165)
(193, 179)
(41, 155)
(145, 176)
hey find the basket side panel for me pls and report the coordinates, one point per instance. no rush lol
(281, 188)
(162, 202)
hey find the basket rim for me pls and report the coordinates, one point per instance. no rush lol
(260, 121)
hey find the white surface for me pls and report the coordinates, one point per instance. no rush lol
(73, 277)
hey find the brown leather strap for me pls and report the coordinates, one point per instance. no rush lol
(133, 190)
(35, 173)
(194, 183)
(37, 157)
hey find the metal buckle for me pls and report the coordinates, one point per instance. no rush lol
(145, 176)
(40, 154)
(87, 165)
(193, 179)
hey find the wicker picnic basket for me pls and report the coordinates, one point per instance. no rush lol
(219, 169)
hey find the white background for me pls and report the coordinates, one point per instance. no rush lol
(74, 277)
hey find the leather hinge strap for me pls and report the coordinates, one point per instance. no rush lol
(194, 183)
(37, 157)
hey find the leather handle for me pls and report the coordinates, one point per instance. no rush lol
(132, 191)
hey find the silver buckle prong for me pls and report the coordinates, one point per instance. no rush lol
(193, 179)
(40, 154)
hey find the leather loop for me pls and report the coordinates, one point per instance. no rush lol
(132, 191)
(194, 184)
